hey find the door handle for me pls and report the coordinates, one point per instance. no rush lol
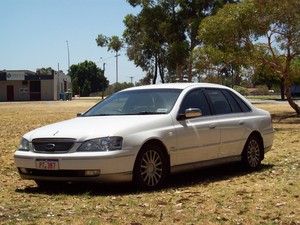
(241, 122)
(212, 126)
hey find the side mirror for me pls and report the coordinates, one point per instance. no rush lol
(190, 113)
(79, 114)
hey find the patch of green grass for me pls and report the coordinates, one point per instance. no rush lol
(264, 97)
(220, 195)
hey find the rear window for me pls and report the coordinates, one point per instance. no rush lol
(225, 101)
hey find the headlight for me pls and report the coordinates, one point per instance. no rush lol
(24, 145)
(102, 144)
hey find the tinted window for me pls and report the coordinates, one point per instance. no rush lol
(218, 100)
(242, 104)
(195, 99)
(233, 103)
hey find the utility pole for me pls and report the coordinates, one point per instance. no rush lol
(117, 75)
(68, 56)
(131, 79)
(103, 81)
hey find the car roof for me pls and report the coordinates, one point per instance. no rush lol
(177, 86)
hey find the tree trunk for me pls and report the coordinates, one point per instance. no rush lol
(288, 83)
(190, 67)
(161, 72)
(155, 72)
(162, 75)
(282, 90)
(290, 98)
(179, 73)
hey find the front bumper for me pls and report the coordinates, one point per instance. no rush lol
(91, 166)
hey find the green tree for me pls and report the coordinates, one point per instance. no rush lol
(296, 71)
(192, 13)
(87, 78)
(44, 71)
(117, 87)
(264, 75)
(226, 43)
(162, 37)
(113, 43)
(144, 38)
(237, 31)
(144, 81)
(75, 86)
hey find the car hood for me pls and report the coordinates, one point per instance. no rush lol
(84, 128)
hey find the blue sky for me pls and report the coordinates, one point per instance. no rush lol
(34, 34)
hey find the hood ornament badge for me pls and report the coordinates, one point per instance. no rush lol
(50, 147)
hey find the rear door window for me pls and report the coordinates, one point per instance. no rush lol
(219, 102)
(233, 103)
(244, 107)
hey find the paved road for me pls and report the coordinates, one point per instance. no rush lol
(272, 101)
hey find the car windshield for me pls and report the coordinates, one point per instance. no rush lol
(136, 102)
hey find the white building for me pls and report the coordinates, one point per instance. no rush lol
(24, 85)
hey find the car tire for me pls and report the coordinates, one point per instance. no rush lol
(151, 168)
(252, 153)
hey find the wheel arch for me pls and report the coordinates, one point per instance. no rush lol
(162, 146)
(259, 136)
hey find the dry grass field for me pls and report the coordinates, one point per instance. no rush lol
(221, 195)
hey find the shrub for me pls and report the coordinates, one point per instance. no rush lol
(241, 90)
(262, 90)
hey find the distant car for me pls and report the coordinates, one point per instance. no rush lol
(142, 134)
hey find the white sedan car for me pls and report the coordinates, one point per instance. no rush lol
(143, 134)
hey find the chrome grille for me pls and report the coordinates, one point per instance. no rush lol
(53, 145)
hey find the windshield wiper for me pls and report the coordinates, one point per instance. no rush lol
(101, 114)
(128, 114)
(149, 113)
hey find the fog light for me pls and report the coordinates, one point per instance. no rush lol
(92, 173)
(23, 170)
